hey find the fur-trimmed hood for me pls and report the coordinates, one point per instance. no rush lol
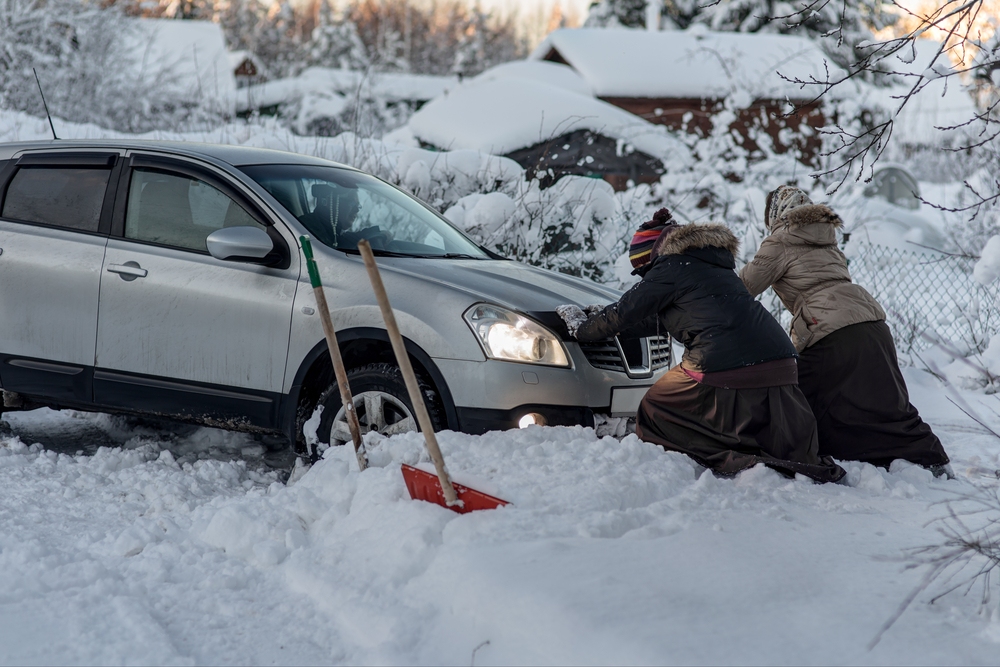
(813, 214)
(690, 237)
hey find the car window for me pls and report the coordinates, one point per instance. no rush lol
(69, 197)
(340, 207)
(179, 211)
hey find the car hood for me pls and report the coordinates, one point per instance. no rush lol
(517, 286)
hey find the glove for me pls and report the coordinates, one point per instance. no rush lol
(573, 316)
(593, 309)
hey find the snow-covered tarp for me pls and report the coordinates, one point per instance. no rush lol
(694, 63)
(505, 113)
(188, 59)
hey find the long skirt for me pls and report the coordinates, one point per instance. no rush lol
(852, 381)
(729, 430)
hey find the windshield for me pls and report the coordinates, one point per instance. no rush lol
(340, 207)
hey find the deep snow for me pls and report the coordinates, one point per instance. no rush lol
(182, 548)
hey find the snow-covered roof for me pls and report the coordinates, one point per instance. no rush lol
(694, 63)
(542, 71)
(504, 114)
(188, 58)
(237, 58)
(393, 87)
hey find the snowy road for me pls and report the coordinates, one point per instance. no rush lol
(156, 546)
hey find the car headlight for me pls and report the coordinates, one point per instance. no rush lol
(507, 336)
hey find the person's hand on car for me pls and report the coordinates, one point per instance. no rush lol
(573, 316)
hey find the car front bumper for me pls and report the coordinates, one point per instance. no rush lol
(494, 395)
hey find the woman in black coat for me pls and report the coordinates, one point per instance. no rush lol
(733, 402)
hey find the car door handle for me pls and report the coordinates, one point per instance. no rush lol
(128, 270)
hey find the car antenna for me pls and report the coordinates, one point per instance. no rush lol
(44, 104)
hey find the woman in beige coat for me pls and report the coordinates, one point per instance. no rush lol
(848, 369)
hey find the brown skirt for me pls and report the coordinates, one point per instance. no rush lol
(852, 381)
(729, 430)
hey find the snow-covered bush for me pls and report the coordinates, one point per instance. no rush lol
(571, 226)
(85, 56)
(442, 178)
(975, 226)
(987, 268)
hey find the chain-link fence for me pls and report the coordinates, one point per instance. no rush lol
(927, 296)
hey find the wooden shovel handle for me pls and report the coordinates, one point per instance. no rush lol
(338, 361)
(412, 387)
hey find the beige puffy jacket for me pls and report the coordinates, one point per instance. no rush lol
(801, 260)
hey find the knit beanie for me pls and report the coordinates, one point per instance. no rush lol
(640, 251)
(782, 200)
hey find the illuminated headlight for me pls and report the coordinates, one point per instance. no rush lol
(507, 336)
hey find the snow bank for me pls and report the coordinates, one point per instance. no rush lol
(612, 552)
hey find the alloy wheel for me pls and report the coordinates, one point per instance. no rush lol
(377, 411)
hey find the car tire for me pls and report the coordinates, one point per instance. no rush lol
(379, 391)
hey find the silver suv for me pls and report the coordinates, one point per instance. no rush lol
(165, 279)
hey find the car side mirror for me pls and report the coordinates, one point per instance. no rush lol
(239, 243)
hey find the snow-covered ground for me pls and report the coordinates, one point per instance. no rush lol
(149, 546)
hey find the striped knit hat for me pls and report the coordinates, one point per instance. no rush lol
(640, 251)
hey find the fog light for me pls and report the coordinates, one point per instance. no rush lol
(531, 419)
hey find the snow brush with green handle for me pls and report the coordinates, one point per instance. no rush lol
(338, 361)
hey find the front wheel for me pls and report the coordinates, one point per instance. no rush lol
(381, 403)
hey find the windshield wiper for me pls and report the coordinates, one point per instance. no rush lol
(448, 255)
(377, 252)
(391, 253)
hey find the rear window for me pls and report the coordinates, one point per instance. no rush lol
(69, 197)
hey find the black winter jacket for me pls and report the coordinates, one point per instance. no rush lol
(691, 291)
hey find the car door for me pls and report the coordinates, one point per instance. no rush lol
(55, 216)
(179, 331)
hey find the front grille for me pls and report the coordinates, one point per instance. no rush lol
(629, 356)
(604, 354)
(659, 352)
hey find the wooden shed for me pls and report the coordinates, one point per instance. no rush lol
(684, 79)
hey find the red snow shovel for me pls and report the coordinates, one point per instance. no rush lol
(422, 485)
